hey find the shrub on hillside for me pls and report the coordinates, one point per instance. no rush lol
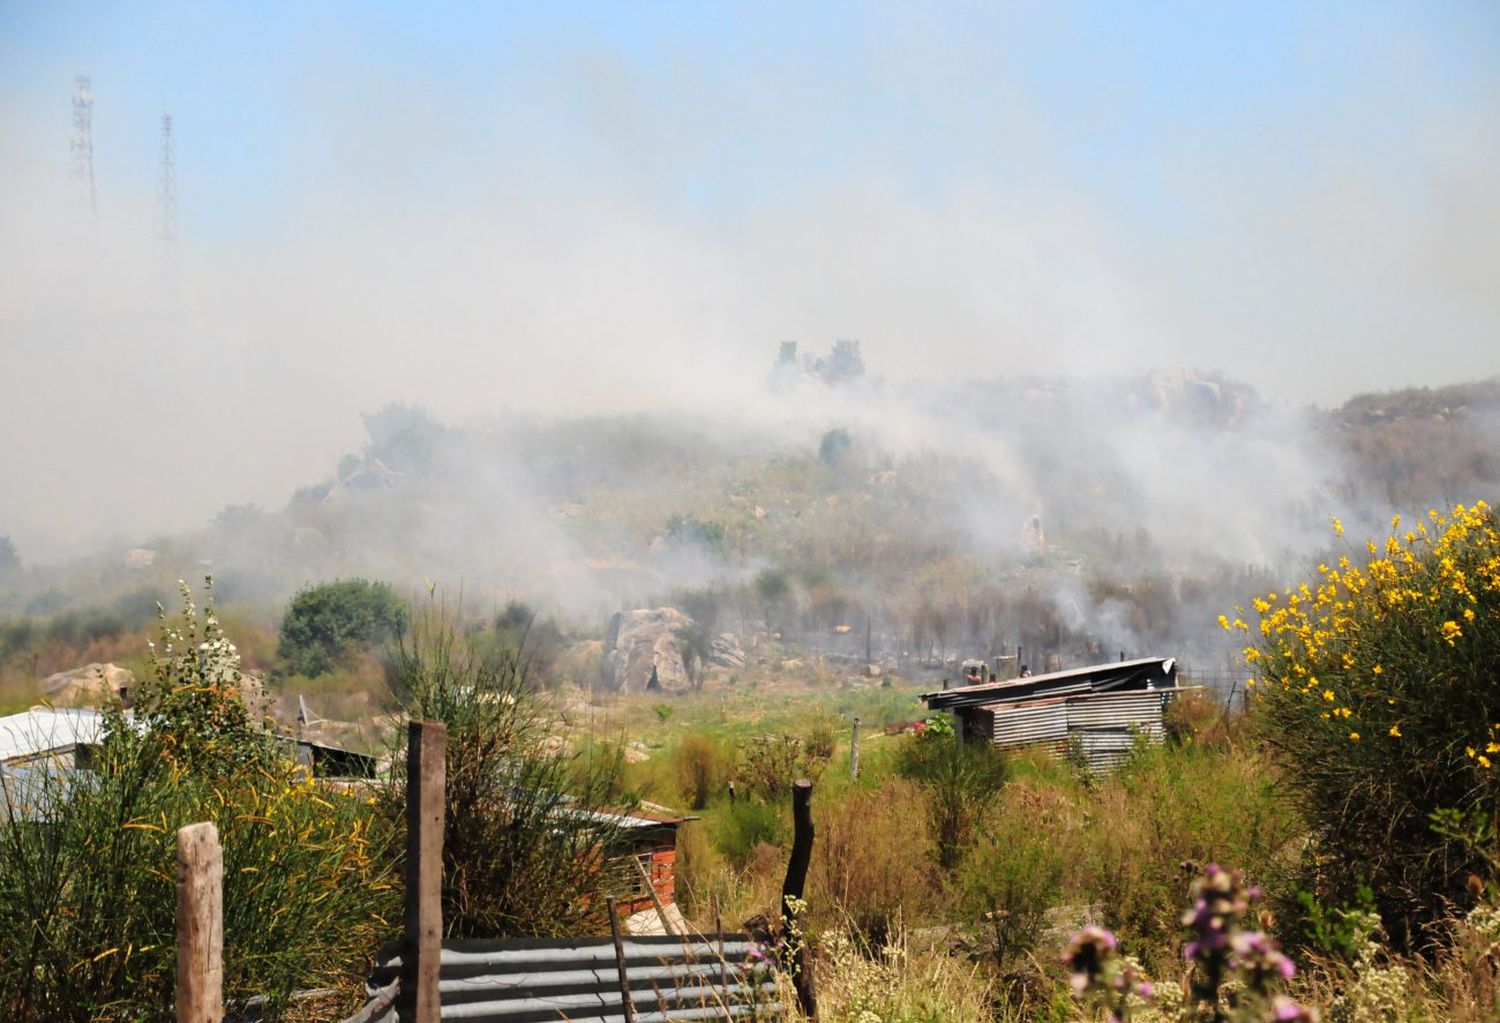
(87, 859)
(324, 622)
(1379, 691)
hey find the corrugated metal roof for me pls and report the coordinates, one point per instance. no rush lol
(1137, 674)
(530, 980)
(43, 730)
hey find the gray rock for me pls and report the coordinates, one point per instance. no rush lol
(726, 652)
(641, 652)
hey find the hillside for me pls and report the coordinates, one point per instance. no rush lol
(1073, 517)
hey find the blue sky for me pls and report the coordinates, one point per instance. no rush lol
(743, 104)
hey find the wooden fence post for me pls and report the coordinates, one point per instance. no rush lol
(796, 958)
(620, 968)
(854, 752)
(426, 774)
(200, 925)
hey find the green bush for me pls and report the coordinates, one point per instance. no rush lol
(770, 763)
(1174, 805)
(326, 621)
(701, 768)
(961, 781)
(87, 886)
(1011, 875)
(1378, 690)
(743, 825)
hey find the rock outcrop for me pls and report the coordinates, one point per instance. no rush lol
(725, 651)
(90, 686)
(641, 652)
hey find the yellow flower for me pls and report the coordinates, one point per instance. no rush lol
(1484, 761)
(1451, 632)
(1470, 750)
(1354, 737)
(1224, 622)
(1395, 731)
(1328, 695)
(1338, 527)
(1468, 614)
(1378, 670)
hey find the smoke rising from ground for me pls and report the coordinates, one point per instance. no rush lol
(598, 230)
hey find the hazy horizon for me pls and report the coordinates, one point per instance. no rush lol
(571, 210)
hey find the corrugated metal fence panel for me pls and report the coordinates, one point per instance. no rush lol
(1021, 726)
(1104, 751)
(1117, 710)
(528, 980)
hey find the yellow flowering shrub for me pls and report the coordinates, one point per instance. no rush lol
(1378, 687)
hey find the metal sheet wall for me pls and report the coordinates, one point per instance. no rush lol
(528, 980)
(1022, 726)
(1117, 710)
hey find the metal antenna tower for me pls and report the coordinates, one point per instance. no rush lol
(168, 193)
(83, 141)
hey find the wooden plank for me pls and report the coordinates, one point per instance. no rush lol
(614, 931)
(795, 955)
(200, 925)
(426, 776)
(854, 752)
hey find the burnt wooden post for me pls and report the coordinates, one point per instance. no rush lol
(795, 957)
(620, 968)
(719, 938)
(854, 752)
(200, 925)
(426, 774)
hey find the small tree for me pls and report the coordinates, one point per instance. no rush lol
(10, 558)
(324, 623)
(529, 839)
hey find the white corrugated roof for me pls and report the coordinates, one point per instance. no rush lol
(44, 730)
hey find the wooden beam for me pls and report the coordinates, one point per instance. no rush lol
(200, 925)
(426, 774)
(796, 958)
(854, 752)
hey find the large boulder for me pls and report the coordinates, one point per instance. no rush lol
(725, 651)
(93, 685)
(641, 652)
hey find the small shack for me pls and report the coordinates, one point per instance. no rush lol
(1097, 712)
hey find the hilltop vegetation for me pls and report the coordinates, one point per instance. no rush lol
(1072, 518)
